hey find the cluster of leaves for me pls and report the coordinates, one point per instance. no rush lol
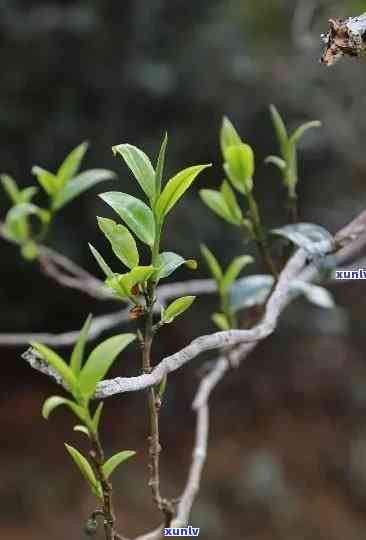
(144, 222)
(80, 378)
(239, 167)
(60, 188)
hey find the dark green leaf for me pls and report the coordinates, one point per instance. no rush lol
(113, 462)
(100, 360)
(122, 242)
(136, 214)
(140, 165)
(175, 189)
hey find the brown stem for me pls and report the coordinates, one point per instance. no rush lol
(97, 456)
(165, 506)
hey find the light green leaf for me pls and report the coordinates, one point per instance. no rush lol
(299, 132)
(29, 250)
(122, 284)
(100, 360)
(234, 270)
(52, 358)
(221, 321)
(113, 462)
(71, 164)
(27, 194)
(140, 165)
(192, 264)
(177, 307)
(85, 469)
(231, 202)
(216, 202)
(136, 214)
(212, 263)
(103, 265)
(228, 136)
(77, 354)
(81, 183)
(277, 161)
(11, 188)
(166, 263)
(239, 167)
(46, 179)
(122, 242)
(160, 166)
(97, 415)
(55, 401)
(281, 131)
(175, 189)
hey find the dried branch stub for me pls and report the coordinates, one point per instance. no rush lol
(346, 37)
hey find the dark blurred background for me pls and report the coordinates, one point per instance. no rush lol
(287, 455)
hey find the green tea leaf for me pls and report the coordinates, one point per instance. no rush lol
(46, 179)
(29, 251)
(166, 263)
(136, 214)
(82, 429)
(11, 188)
(221, 321)
(228, 135)
(234, 270)
(55, 401)
(122, 284)
(319, 296)
(175, 189)
(216, 202)
(27, 194)
(277, 161)
(140, 165)
(100, 360)
(212, 263)
(110, 465)
(52, 358)
(97, 415)
(85, 469)
(160, 166)
(77, 354)
(103, 265)
(79, 184)
(122, 242)
(231, 202)
(281, 131)
(71, 164)
(239, 167)
(299, 132)
(177, 307)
